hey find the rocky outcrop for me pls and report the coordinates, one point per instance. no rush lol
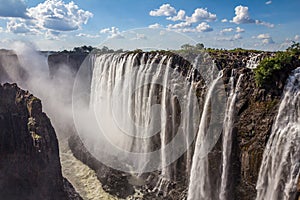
(29, 157)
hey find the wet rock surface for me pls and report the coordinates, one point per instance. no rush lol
(29, 161)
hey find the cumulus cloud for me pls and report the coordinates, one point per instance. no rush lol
(226, 30)
(239, 30)
(113, 32)
(231, 38)
(185, 27)
(13, 8)
(156, 25)
(268, 2)
(179, 17)
(204, 27)
(297, 37)
(140, 36)
(267, 24)
(179, 25)
(242, 16)
(87, 35)
(224, 20)
(17, 27)
(268, 41)
(51, 16)
(265, 38)
(59, 16)
(201, 14)
(164, 10)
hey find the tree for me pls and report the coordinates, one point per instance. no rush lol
(200, 46)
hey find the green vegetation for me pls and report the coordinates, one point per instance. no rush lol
(89, 49)
(281, 62)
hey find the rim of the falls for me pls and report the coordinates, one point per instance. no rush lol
(280, 168)
(114, 76)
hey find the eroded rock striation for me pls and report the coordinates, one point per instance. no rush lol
(29, 156)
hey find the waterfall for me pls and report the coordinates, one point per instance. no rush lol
(147, 111)
(280, 168)
(253, 62)
(200, 185)
(227, 134)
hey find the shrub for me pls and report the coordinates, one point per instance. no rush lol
(281, 62)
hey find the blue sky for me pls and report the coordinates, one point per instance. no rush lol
(63, 24)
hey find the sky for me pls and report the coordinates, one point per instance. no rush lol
(63, 24)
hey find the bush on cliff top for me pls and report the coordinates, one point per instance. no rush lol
(280, 63)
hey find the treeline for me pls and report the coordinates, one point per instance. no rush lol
(89, 49)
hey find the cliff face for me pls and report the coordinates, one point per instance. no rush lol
(10, 68)
(29, 160)
(72, 60)
(256, 109)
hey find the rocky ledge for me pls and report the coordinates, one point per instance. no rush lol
(30, 168)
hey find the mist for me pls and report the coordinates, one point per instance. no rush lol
(31, 72)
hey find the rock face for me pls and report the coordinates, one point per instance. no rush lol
(113, 181)
(29, 157)
(256, 110)
(72, 60)
(10, 67)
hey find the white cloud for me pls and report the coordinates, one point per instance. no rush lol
(297, 37)
(179, 25)
(268, 2)
(105, 30)
(268, 41)
(185, 27)
(164, 10)
(265, 38)
(87, 35)
(140, 37)
(59, 16)
(242, 15)
(226, 30)
(204, 27)
(267, 24)
(18, 26)
(231, 38)
(156, 25)
(13, 8)
(201, 14)
(239, 30)
(113, 32)
(179, 17)
(224, 20)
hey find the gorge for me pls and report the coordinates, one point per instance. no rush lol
(229, 133)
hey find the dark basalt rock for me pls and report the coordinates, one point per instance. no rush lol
(113, 181)
(29, 157)
(72, 60)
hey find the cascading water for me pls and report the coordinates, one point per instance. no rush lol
(280, 168)
(227, 135)
(253, 62)
(200, 186)
(147, 111)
